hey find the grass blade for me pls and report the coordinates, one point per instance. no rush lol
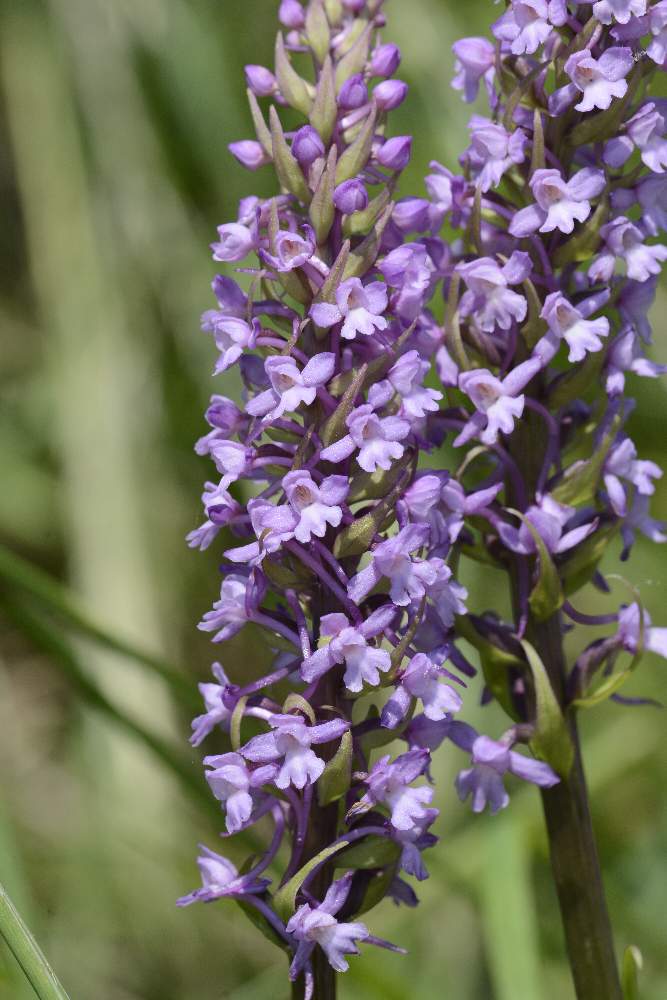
(27, 952)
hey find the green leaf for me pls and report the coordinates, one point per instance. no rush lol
(552, 741)
(27, 952)
(294, 89)
(495, 663)
(317, 30)
(336, 777)
(580, 482)
(294, 700)
(325, 109)
(287, 168)
(335, 427)
(357, 537)
(633, 964)
(546, 596)
(355, 157)
(376, 890)
(371, 852)
(578, 570)
(374, 485)
(284, 900)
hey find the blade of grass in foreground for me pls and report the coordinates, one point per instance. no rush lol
(27, 952)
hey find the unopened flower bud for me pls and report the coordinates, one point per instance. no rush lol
(353, 93)
(350, 196)
(390, 94)
(292, 14)
(395, 153)
(385, 60)
(307, 146)
(260, 80)
(249, 153)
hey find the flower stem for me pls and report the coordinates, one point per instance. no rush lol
(572, 847)
(574, 858)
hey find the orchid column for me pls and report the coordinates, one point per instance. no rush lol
(562, 195)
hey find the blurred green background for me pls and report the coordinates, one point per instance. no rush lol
(115, 115)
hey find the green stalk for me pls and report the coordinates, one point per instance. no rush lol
(572, 847)
(27, 952)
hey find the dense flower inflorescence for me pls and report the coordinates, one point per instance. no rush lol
(346, 556)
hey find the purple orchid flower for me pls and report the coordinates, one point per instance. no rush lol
(529, 23)
(217, 713)
(314, 506)
(388, 784)
(360, 308)
(235, 242)
(409, 578)
(220, 878)
(289, 386)
(475, 58)
(290, 742)
(622, 464)
(317, 925)
(498, 402)
(599, 80)
(237, 788)
(549, 518)
(568, 323)
(629, 632)
(558, 203)
(291, 250)
(421, 679)
(239, 597)
(624, 243)
(378, 440)
(489, 299)
(348, 644)
(493, 151)
(491, 760)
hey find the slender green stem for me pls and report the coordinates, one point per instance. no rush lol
(20, 572)
(572, 847)
(27, 952)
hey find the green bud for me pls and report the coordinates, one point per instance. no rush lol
(359, 223)
(355, 157)
(364, 256)
(371, 852)
(355, 58)
(295, 90)
(325, 109)
(534, 328)
(322, 207)
(327, 292)
(334, 428)
(261, 128)
(352, 35)
(580, 567)
(357, 537)
(580, 482)
(374, 485)
(287, 168)
(334, 9)
(537, 160)
(317, 30)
